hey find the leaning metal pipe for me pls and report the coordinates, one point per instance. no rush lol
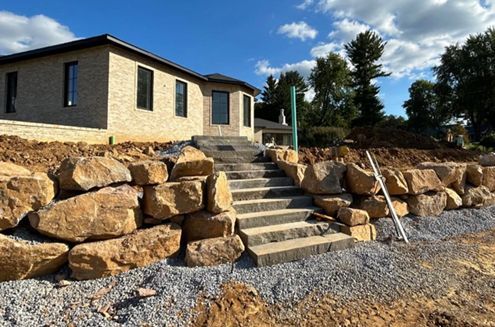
(378, 176)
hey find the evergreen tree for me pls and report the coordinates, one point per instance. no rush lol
(333, 102)
(364, 53)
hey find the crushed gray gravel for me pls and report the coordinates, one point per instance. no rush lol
(374, 270)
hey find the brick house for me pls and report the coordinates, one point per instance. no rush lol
(94, 88)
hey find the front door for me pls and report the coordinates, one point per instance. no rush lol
(11, 92)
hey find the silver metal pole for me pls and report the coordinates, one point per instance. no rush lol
(378, 176)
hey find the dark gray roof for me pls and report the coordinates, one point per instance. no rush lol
(107, 39)
(268, 124)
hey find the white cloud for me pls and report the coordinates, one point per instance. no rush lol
(417, 31)
(22, 33)
(305, 4)
(299, 30)
(304, 67)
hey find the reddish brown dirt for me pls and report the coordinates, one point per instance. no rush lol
(393, 157)
(241, 305)
(46, 156)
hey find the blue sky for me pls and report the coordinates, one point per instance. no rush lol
(249, 40)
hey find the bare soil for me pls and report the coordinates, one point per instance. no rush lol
(46, 156)
(466, 304)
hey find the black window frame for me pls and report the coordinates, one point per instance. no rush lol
(149, 95)
(70, 95)
(212, 107)
(249, 114)
(10, 107)
(185, 102)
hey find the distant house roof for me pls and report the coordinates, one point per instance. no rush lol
(268, 124)
(107, 39)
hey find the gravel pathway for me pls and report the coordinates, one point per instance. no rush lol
(374, 270)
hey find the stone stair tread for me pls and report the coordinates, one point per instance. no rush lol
(282, 227)
(267, 188)
(276, 212)
(270, 200)
(298, 243)
(250, 171)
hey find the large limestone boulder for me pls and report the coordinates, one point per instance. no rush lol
(21, 260)
(192, 162)
(430, 204)
(487, 160)
(361, 233)
(171, 199)
(395, 181)
(376, 206)
(353, 217)
(218, 193)
(277, 154)
(451, 174)
(214, 251)
(293, 170)
(332, 203)
(148, 172)
(107, 213)
(360, 181)
(420, 181)
(203, 224)
(324, 177)
(454, 200)
(112, 257)
(489, 178)
(474, 174)
(22, 192)
(83, 174)
(478, 197)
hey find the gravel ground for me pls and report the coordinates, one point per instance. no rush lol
(374, 270)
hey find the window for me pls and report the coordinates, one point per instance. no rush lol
(11, 92)
(70, 84)
(247, 111)
(180, 99)
(220, 107)
(145, 89)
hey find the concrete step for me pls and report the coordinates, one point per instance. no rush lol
(274, 217)
(238, 184)
(219, 139)
(250, 174)
(284, 232)
(246, 166)
(266, 192)
(228, 147)
(258, 205)
(299, 248)
(249, 153)
(237, 158)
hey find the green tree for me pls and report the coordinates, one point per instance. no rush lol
(364, 53)
(466, 79)
(267, 108)
(333, 102)
(422, 107)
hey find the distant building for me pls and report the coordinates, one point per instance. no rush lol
(266, 130)
(94, 88)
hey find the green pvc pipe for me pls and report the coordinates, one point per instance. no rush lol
(294, 117)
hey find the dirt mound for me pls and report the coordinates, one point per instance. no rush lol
(365, 137)
(393, 157)
(46, 156)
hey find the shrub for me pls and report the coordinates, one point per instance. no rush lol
(322, 136)
(488, 140)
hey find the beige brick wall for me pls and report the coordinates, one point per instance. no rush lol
(127, 122)
(236, 124)
(40, 89)
(49, 132)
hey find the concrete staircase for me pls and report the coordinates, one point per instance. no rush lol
(274, 217)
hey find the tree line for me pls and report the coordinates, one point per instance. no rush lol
(346, 92)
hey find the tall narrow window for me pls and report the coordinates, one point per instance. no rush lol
(70, 88)
(180, 99)
(247, 111)
(145, 89)
(220, 107)
(11, 92)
